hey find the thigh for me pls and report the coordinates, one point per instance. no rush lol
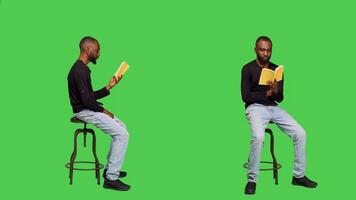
(102, 121)
(286, 122)
(258, 117)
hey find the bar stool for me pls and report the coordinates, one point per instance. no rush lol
(274, 163)
(72, 162)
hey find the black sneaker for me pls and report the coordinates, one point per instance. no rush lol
(250, 188)
(121, 175)
(115, 185)
(304, 181)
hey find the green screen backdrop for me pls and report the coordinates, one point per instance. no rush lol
(180, 98)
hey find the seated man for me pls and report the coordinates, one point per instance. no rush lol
(86, 108)
(261, 108)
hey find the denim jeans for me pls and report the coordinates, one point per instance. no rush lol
(119, 139)
(259, 116)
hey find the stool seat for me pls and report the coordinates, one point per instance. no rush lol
(76, 120)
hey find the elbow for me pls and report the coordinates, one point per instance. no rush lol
(244, 98)
(90, 104)
(280, 98)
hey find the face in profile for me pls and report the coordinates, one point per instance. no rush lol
(263, 51)
(94, 52)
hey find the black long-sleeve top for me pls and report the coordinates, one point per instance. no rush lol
(252, 92)
(81, 92)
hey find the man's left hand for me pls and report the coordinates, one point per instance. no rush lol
(274, 86)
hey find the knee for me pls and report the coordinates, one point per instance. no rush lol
(121, 134)
(126, 134)
(300, 134)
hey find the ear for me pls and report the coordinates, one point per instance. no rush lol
(86, 50)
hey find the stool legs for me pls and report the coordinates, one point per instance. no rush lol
(275, 165)
(97, 168)
(74, 153)
(85, 139)
(85, 134)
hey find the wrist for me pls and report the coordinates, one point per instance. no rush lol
(269, 93)
(108, 88)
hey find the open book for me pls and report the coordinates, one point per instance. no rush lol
(270, 75)
(122, 70)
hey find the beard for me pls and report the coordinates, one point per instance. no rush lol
(92, 59)
(263, 59)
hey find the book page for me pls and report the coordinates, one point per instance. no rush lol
(279, 73)
(266, 75)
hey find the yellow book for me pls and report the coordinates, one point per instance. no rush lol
(122, 70)
(270, 75)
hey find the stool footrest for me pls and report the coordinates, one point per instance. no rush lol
(266, 169)
(84, 169)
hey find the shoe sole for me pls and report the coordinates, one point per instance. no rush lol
(117, 189)
(249, 193)
(297, 184)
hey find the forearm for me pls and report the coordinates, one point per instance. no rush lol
(88, 100)
(278, 97)
(103, 92)
(250, 97)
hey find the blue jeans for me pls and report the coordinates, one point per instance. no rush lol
(259, 116)
(120, 137)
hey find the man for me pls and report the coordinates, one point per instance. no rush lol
(86, 108)
(262, 108)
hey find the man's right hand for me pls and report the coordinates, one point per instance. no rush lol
(111, 115)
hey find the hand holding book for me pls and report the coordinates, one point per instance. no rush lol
(273, 90)
(113, 81)
(121, 71)
(118, 75)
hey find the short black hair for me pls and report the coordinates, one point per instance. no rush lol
(85, 40)
(264, 38)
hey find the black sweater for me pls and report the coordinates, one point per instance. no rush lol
(81, 92)
(252, 92)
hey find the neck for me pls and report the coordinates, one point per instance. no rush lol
(262, 64)
(84, 59)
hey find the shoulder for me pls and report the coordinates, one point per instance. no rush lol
(250, 65)
(79, 70)
(80, 66)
